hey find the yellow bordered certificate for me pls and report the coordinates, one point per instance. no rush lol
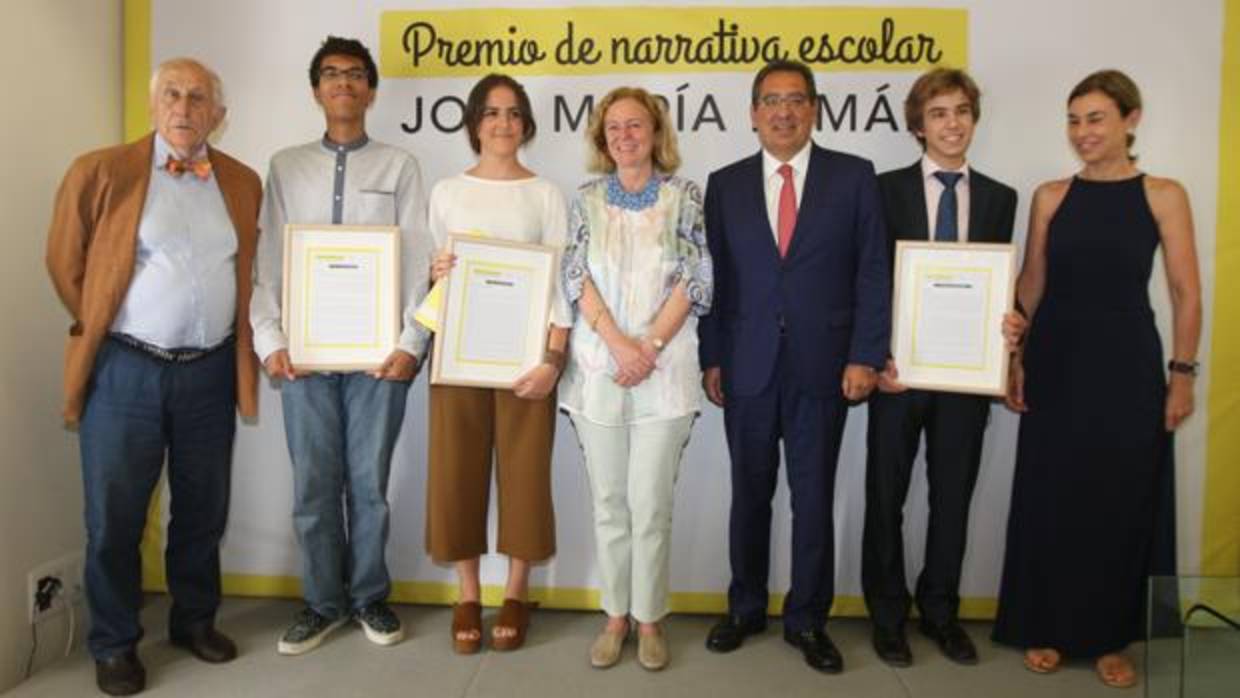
(947, 315)
(497, 303)
(341, 307)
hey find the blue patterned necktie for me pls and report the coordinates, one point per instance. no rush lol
(945, 222)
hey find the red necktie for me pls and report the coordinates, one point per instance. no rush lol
(787, 220)
(201, 167)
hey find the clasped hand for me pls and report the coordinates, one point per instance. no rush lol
(635, 360)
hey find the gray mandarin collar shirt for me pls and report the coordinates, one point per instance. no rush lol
(360, 183)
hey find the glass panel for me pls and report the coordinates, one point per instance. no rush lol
(1193, 639)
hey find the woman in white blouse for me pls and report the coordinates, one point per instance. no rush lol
(638, 273)
(497, 198)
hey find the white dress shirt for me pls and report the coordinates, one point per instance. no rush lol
(934, 190)
(775, 182)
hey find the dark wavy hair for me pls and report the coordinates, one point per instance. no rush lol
(477, 104)
(338, 46)
(784, 66)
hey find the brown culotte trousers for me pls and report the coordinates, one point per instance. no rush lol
(466, 424)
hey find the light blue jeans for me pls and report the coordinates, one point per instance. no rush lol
(341, 428)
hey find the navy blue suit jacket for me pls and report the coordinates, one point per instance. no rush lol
(831, 294)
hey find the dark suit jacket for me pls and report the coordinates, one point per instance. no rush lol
(93, 240)
(830, 294)
(992, 207)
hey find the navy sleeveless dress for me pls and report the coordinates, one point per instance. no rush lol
(1092, 459)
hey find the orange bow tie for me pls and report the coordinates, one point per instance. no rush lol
(176, 167)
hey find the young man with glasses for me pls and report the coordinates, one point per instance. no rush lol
(341, 426)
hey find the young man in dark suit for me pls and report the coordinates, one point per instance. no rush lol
(942, 198)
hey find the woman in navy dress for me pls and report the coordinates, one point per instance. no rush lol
(1097, 408)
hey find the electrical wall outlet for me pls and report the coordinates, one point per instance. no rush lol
(55, 585)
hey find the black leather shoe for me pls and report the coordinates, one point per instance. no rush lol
(952, 640)
(207, 644)
(730, 632)
(820, 653)
(121, 674)
(891, 646)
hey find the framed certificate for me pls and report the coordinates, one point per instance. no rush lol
(497, 303)
(341, 300)
(947, 315)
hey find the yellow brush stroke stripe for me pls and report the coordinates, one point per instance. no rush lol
(506, 28)
(1220, 545)
(565, 598)
(136, 37)
(137, 66)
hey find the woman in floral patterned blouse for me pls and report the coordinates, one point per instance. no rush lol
(637, 273)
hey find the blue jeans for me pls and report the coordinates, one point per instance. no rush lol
(138, 409)
(341, 428)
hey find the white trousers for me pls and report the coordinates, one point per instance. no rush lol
(632, 471)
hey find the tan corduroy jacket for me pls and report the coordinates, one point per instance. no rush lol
(92, 243)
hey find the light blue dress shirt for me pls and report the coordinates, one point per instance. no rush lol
(184, 288)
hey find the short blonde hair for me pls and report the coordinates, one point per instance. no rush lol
(217, 86)
(665, 155)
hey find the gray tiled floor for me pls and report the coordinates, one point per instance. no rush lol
(552, 665)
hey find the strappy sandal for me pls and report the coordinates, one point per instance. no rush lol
(516, 615)
(1042, 660)
(1116, 671)
(467, 618)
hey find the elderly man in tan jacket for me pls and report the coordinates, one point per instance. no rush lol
(151, 249)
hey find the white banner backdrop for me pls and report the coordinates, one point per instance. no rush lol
(1025, 56)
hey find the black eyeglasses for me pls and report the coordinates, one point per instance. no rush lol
(794, 100)
(350, 75)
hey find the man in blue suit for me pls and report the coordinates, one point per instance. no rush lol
(800, 323)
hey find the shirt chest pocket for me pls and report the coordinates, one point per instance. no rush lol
(375, 201)
(377, 206)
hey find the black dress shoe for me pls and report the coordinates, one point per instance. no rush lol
(730, 632)
(121, 674)
(207, 644)
(952, 640)
(820, 653)
(891, 646)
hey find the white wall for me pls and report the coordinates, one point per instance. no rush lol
(1026, 57)
(62, 63)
